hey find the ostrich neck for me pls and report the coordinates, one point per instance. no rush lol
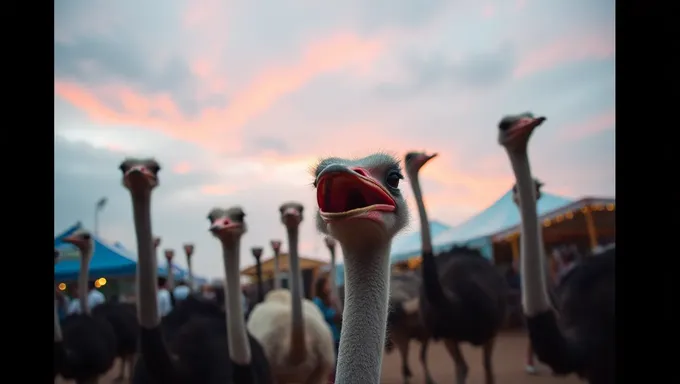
(534, 294)
(171, 276)
(297, 344)
(190, 273)
(83, 276)
(57, 327)
(431, 284)
(147, 309)
(425, 235)
(277, 277)
(258, 272)
(239, 347)
(334, 284)
(362, 337)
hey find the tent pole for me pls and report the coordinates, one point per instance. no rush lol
(590, 225)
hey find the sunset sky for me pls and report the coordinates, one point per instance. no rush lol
(236, 99)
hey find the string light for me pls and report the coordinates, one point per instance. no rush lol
(611, 207)
(62, 286)
(569, 215)
(100, 282)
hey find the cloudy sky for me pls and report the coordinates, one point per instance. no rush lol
(236, 99)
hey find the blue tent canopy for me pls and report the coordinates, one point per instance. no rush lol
(107, 261)
(475, 232)
(478, 230)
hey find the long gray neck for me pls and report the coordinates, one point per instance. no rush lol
(277, 273)
(171, 276)
(362, 340)
(147, 308)
(297, 344)
(83, 276)
(239, 347)
(425, 235)
(57, 327)
(190, 274)
(334, 284)
(534, 291)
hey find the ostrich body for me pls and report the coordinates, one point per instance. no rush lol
(257, 254)
(276, 247)
(582, 340)
(197, 349)
(404, 321)
(463, 297)
(84, 345)
(123, 320)
(361, 206)
(292, 330)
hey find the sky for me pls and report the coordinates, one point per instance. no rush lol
(236, 99)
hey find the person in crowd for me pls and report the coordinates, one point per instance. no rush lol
(94, 298)
(181, 291)
(164, 299)
(565, 261)
(62, 303)
(323, 300)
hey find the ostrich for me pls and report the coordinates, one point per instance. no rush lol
(463, 298)
(276, 247)
(330, 244)
(291, 329)
(84, 345)
(530, 367)
(189, 251)
(361, 206)
(170, 284)
(404, 321)
(257, 254)
(198, 348)
(582, 340)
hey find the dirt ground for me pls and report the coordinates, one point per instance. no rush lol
(508, 365)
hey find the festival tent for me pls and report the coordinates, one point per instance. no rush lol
(477, 231)
(402, 244)
(107, 261)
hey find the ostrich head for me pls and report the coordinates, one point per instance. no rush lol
(276, 245)
(156, 242)
(415, 160)
(227, 225)
(169, 254)
(515, 191)
(140, 176)
(83, 241)
(359, 200)
(257, 252)
(514, 131)
(291, 214)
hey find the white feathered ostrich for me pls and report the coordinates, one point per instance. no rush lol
(361, 206)
(582, 340)
(292, 331)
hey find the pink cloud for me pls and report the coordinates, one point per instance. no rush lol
(159, 111)
(219, 189)
(488, 11)
(571, 49)
(591, 126)
(182, 168)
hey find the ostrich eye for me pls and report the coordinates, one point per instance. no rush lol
(393, 180)
(86, 236)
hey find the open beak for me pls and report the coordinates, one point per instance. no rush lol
(139, 173)
(526, 125)
(72, 240)
(222, 225)
(343, 193)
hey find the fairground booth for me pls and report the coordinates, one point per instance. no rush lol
(586, 222)
(112, 268)
(310, 270)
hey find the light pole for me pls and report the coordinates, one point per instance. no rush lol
(98, 207)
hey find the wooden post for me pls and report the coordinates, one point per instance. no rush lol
(514, 244)
(590, 225)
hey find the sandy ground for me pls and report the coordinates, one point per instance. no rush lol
(508, 365)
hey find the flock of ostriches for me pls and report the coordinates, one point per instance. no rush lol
(458, 297)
